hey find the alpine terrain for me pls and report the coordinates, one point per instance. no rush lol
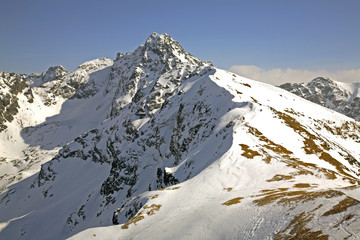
(339, 96)
(158, 144)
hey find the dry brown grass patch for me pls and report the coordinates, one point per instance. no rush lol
(149, 210)
(152, 209)
(288, 197)
(302, 185)
(279, 177)
(169, 188)
(311, 146)
(297, 229)
(255, 101)
(267, 158)
(342, 206)
(232, 201)
(248, 153)
(274, 196)
(133, 220)
(155, 196)
(229, 189)
(269, 144)
(265, 192)
(340, 167)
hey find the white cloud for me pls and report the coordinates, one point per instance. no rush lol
(278, 76)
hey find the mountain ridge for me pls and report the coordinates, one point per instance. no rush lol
(181, 149)
(338, 96)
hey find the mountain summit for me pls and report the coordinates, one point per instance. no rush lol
(163, 45)
(159, 144)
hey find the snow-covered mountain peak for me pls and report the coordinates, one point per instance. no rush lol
(155, 38)
(161, 63)
(160, 41)
(160, 52)
(322, 82)
(157, 42)
(339, 96)
(53, 73)
(167, 48)
(96, 64)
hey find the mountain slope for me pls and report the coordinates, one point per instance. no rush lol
(341, 97)
(43, 114)
(189, 151)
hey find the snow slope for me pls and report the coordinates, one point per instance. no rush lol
(189, 151)
(52, 109)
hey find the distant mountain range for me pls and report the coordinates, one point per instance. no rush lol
(338, 96)
(158, 144)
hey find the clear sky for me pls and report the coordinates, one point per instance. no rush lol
(306, 35)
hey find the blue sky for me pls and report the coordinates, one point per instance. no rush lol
(308, 34)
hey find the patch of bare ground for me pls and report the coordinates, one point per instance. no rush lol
(342, 206)
(232, 201)
(254, 100)
(316, 145)
(289, 197)
(297, 229)
(270, 145)
(302, 185)
(155, 196)
(246, 85)
(133, 220)
(292, 111)
(348, 129)
(280, 177)
(267, 158)
(149, 210)
(302, 168)
(248, 153)
(268, 191)
(229, 189)
(169, 188)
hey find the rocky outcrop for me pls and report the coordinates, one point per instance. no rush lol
(341, 97)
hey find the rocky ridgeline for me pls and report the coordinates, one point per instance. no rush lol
(51, 86)
(330, 94)
(130, 129)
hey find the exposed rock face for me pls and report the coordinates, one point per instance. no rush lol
(11, 85)
(341, 97)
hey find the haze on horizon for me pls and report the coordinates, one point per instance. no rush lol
(271, 41)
